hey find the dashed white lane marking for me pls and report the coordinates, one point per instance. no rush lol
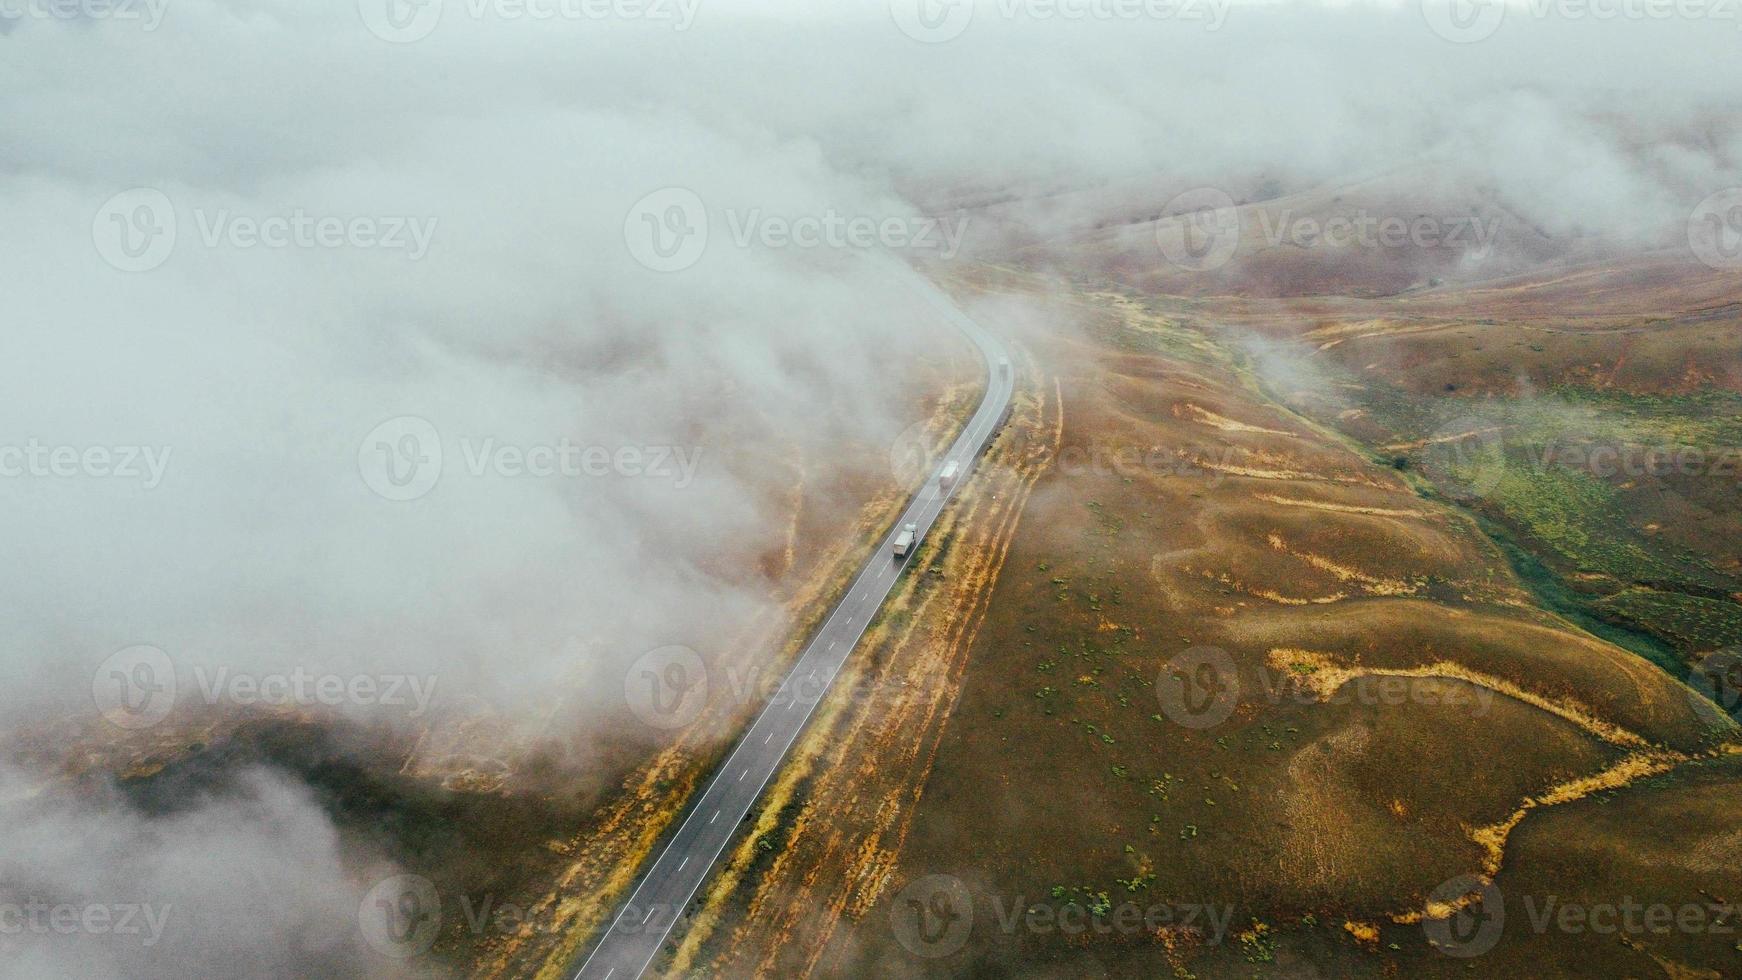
(715, 817)
(686, 860)
(743, 774)
(609, 972)
(770, 737)
(832, 644)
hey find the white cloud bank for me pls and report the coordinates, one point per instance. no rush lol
(508, 154)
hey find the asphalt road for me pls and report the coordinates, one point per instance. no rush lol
(667, 886)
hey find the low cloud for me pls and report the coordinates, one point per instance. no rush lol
(258, 345)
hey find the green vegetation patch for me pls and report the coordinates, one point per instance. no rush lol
(1532, 468)
(1692, 622)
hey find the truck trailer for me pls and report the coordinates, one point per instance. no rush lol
(905, 541)
(947, 476)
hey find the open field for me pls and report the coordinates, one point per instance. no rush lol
(991, 489)
(1609, 453)
(1262, 644)
(1386, 706)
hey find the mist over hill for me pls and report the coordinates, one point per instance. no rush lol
(440, 232)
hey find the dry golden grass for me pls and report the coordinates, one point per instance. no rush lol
(1304, 561)
(1273, 537)
(862, 763)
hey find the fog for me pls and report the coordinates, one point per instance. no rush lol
(441, 226)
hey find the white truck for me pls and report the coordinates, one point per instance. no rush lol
(1004, 366)
(947, 476)
(905, 541)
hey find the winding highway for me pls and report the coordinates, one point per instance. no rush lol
(678, 871)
